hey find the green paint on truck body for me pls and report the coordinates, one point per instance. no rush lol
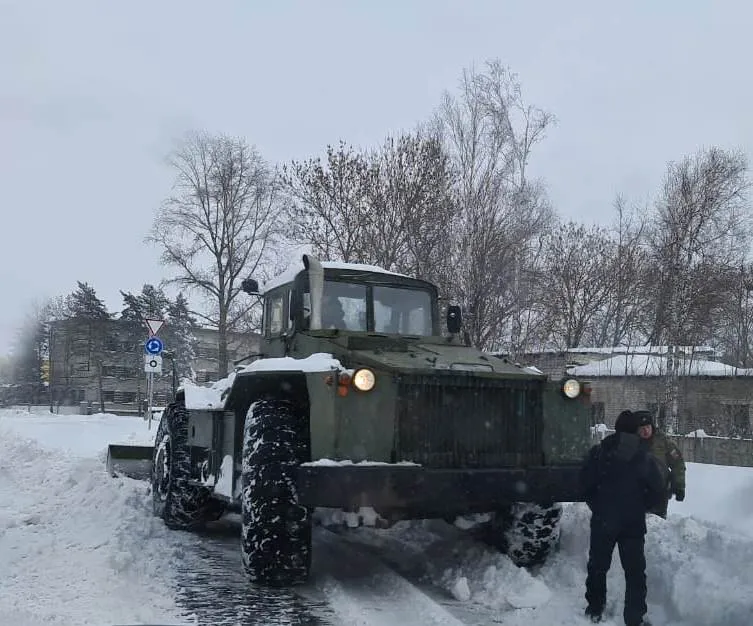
(436, 401)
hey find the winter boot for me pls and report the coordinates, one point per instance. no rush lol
(593, 614)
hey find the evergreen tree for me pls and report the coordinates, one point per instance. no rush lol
(31, 352)
(179, 337)
(28, 354)
(85, 304)
(151, 303)
(86, 308)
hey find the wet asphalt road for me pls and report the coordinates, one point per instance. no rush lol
(212, 585)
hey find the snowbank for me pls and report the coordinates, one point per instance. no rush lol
(81, 436)
(77, 546)
(718, 495)
(698, 561)
(700, 433)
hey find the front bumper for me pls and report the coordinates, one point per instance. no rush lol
(409, 488)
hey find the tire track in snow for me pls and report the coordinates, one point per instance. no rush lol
(348, 587)
(213, 586)
(365, 591)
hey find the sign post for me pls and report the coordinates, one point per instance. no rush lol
(153, 347)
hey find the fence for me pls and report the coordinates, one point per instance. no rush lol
(711, 450)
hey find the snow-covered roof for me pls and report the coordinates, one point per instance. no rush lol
(629, 350)
(289, 274)
(652, 365)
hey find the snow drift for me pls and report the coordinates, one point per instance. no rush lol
(77, 546)
(699, 570)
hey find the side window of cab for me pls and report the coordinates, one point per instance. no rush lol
(276, 313)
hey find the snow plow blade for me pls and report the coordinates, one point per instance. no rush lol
(132, 461)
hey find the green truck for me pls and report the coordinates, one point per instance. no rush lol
(360, 402)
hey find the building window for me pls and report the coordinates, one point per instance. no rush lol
(125, 397)
(207, 352)
(205, 376)
(117, 371)
(737, 419)
(108, 396)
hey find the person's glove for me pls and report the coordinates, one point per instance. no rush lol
(680, 495)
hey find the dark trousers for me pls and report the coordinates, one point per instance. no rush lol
(633, 559)
(661, 509)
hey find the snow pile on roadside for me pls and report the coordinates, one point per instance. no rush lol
(77, 546)
(718, 494)
(698, 570)
(81, 436)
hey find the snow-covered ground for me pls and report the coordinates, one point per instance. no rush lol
(700, 570)
(79, 547)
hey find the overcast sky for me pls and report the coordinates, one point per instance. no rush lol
(92, 94)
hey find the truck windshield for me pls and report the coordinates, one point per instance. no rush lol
(402, 311)
(397, 310)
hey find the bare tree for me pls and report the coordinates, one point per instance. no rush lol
(489, 132)
(327, 203)
(621, 321)
(529, 320)
(734, 320)
(411, 208)
(577, 281)
(219, 226)
(700, 225)
(392, 207)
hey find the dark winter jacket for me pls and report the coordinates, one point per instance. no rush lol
(621, 481)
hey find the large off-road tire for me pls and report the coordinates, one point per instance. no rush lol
(276, 530)
(528, 533)
(181, 505)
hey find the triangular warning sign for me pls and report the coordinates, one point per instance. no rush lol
(154, 326)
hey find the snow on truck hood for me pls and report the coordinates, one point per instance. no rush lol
(419, 356)
(212, 398)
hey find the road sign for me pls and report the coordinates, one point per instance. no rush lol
(152, 364)
(153, 345)
(154, 326)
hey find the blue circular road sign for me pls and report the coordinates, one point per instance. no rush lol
(153, 345)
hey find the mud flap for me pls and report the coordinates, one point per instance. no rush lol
(131, 461)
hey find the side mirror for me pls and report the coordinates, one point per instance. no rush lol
(454, 319)
(250, 286)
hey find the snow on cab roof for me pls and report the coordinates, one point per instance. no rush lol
(289, 274)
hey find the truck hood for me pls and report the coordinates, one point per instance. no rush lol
(398, 353)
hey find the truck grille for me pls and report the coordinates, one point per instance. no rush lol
(469, 422)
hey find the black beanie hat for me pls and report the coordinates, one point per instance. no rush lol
(627, 422)
(645, 418)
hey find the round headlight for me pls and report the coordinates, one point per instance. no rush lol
(571, 388)
(364, 380)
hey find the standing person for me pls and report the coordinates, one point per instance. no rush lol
(621, 481)
(669, 457)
